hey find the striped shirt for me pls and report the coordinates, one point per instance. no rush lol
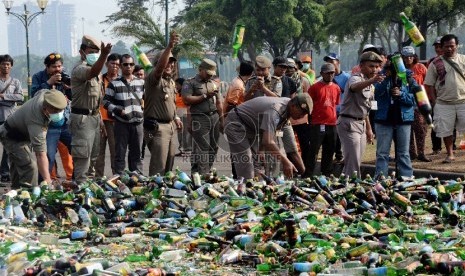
(119, 95)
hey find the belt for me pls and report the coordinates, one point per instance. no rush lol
(209, 113)
(353, 117)
(163, 121)
(83, 111)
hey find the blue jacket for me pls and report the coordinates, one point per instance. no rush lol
(406, 101)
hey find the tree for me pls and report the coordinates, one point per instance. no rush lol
(281, 28)
(120, 47)
(380, 19)
(134, 21)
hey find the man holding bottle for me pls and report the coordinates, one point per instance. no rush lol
(205, 103)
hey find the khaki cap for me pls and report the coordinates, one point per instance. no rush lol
(263, 62)
(291, 63)
(55, 98)
(305, 102)
(91, 42)
(371, 56)
(208, 65)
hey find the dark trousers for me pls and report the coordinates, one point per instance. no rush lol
(4, 167)
(338, 149)
(325, 137)
(303, 134)
(205, 134)
(128, 136)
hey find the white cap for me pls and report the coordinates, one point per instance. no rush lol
(368, 46)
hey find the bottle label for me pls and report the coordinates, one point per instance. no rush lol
(399, 64)
(416, 36)
(145, 60)
(422, 98)
(78, 235)
(240, 35)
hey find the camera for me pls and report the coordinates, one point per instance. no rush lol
(65, 78)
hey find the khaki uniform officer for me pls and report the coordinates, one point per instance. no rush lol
(206, 107)
(353, 124)
(265, 116)
(28, 126)
(263, 83)
(160, 120)
(85, 120)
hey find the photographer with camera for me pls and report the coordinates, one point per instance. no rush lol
(58, 134)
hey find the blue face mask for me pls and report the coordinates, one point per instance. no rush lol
(305, 66)
(92, 58)
(56, 117)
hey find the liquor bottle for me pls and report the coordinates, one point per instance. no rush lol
(423, 104)
(142, 58)
(238, 38)
(399, 65)
(412, 30)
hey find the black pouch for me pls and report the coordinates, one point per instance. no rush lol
(16, 135)
(150, 124)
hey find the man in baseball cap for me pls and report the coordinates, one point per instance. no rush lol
(306, 68)
(26, 128)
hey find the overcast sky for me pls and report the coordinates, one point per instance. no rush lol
(93, 12)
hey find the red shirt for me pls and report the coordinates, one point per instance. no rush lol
(325, 97)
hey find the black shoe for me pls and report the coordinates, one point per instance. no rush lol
(423, 158)
(5, 178)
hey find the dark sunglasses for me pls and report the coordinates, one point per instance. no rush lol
(128, 64)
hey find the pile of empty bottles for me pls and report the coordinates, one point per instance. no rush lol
(178, 224)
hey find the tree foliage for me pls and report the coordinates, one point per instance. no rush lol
(133, 20)
(281, 28)
(379, 19)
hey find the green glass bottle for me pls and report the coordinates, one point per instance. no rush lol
(238, 38)
(412, 30)
(142, 58)
(35, 252)
(399, 65)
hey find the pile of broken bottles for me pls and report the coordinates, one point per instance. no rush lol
(178, 224)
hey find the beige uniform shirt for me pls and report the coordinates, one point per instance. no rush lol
(453, 89)
(357, 104)
(86, 93)
(160, 98)
(271, 82)
(30, 121)
(196, 87)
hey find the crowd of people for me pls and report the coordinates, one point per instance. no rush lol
(276, 115)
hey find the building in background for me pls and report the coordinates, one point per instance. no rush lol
(55, 30)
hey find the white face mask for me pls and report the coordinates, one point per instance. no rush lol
(56, 117)
(305, 66)
(92, 58)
